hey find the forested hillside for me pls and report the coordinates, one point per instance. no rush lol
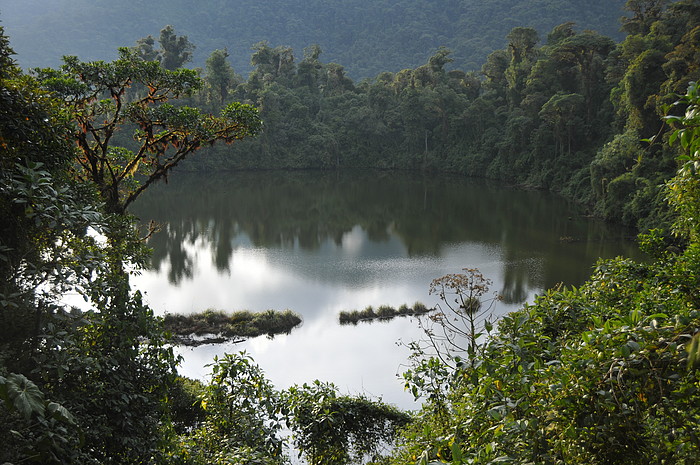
(565, 110)
(604, 374)
(366, 36)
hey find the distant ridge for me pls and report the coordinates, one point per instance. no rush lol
(365, 36)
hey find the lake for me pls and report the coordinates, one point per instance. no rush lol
(319, 243)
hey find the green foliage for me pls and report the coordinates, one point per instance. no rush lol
(241, 417)
(429, 378)
(242, 423)
(590, 375)
(80, 387)
(185, 404)
(653, 62)
(684, 188)
(174, 50)
(44, 213)
(332, 429)
(41, 255)
(45, 432)
(603, 374)
(220, 77)
(105, 98)
(22, 395)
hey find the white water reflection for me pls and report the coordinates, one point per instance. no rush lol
(318, 285)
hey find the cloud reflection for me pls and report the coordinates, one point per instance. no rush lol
(318, 285)
(319, 244)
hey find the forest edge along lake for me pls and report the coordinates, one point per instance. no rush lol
(320, 243)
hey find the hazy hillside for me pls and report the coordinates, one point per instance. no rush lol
(366, 36)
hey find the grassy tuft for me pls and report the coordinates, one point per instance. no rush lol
(384, 312)
(218, 326)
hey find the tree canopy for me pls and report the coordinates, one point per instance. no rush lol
(567, 114)
(101, 103)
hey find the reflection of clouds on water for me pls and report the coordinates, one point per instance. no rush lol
(310, 282)
(319, 245)
(319, 285)
(362, 359)
(352, 242)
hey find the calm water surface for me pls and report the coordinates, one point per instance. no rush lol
(320, 243)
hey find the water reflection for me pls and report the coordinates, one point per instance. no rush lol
(337, 226)
(320, 243)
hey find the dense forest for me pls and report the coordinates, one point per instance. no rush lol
(367, 36)
(565, 110)
(607, 373)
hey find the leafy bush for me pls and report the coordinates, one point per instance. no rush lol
(607, 373)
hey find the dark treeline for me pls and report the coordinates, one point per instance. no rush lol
(565, 112)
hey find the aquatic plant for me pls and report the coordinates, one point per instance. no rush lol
(216, 326)
(384, 312)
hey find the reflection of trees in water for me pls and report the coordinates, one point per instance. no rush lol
(309, 209)
(518, 279)
(168, 244)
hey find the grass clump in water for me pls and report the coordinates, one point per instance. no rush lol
(216, 326)
(384, 313)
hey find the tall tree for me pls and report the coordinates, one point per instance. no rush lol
(644, 14)
(175, 50)
(562, 113)
(219, 76)
(309, 68)
(145, 48)
(166, 134)
(522, 43)
(585, 54)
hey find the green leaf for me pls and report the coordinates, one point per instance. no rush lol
(59, 412)
(502, 459)
(672, 138)
(456, 454)
(685, 139)
(25, 396)
(626, 351)
(495, 413)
